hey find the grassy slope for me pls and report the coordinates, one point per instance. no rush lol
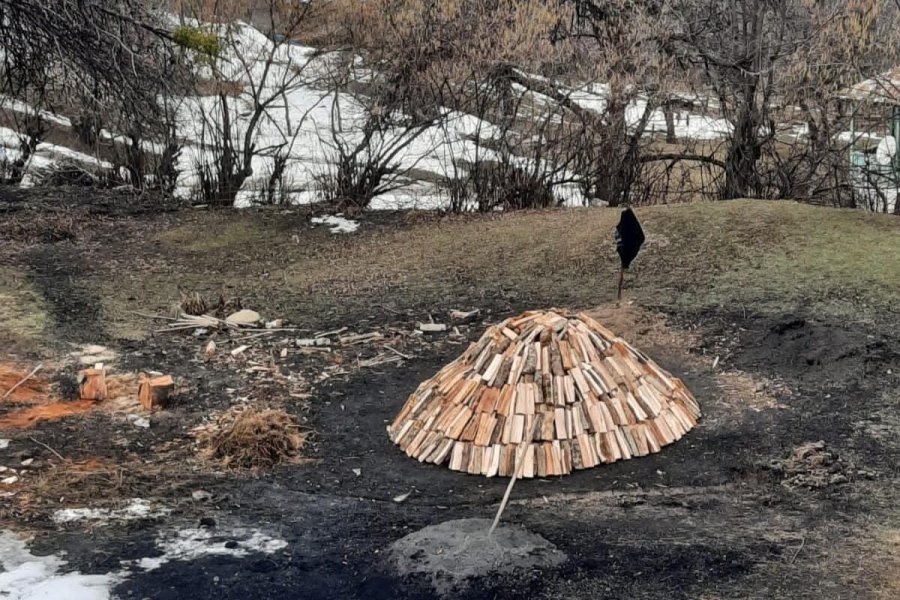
(22, 312)
(751, 256)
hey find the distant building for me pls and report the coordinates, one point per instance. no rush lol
(874, 109)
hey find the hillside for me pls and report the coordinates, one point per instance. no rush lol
(780, 317)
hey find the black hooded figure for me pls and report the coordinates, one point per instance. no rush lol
(629, 239)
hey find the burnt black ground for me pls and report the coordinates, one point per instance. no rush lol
(700, 516)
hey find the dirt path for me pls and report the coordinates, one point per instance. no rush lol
(59, 273)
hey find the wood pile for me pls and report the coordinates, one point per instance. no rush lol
(566, 386)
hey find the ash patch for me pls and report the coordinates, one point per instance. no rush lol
(452, 553)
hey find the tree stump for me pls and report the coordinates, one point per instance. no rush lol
(92, 384)
(154, 392)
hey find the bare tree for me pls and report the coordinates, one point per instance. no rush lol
(760, 57)
(105, 46)
(249, 83)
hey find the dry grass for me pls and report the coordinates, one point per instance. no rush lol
(742, 391)
(66, 483)
(22, 311)
(740, 256)
(888, 579)
(46, 228)
(254, 438)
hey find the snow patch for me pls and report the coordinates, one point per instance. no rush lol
(4, 444)
(25, 576)
(138, 508)
(337, 223)
(191, 544)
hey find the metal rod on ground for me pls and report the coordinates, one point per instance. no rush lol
(520, 461)
(621, 282)
(27, 377)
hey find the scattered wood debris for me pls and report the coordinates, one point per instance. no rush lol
(812, 466)
(243, 318)
(186, 321)
(464, 316)
(350, 340)
(22, 381)
(432, 327)
(312, 342)
(381, 359)
(569, 390)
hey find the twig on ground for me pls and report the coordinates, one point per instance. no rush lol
(330, 333)
(385, 308)
(254, 336)
(794, 557)
(40, 443)
(151, 316)
(273, 329)
(26, 378)
(397, 352)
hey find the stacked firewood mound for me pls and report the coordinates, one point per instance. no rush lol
(555, 391)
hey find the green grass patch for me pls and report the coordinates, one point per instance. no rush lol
(23, 317)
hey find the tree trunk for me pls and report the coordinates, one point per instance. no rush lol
(670, 123)
(741, 176)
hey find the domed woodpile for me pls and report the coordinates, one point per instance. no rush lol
(566, 386)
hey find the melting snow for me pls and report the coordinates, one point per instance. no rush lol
(190, 544)
(138, 508)
(337, 223)
(24, 576)
(303, 125)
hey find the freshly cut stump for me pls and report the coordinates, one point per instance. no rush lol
(566, 386)
(154, 392)
(92, 384)
(450, 553)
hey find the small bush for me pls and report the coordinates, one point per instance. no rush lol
(510, 187)
(203, 42)
(354, 181)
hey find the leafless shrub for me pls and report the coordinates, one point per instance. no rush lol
(759, 59)
(231, 126)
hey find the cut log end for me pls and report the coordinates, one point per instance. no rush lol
(92, 384)
(155, 392)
